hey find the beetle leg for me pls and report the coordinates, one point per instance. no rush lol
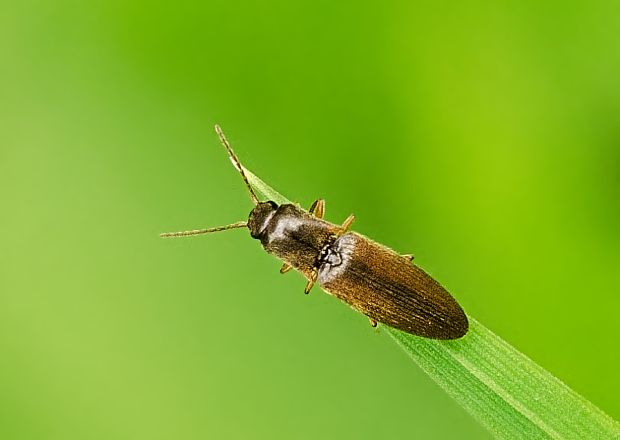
(313, 276)
(373, 323)
(347, 224)
(408, 256)
(318, 208)
(285, 268)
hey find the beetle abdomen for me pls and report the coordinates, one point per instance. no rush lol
(390, 289)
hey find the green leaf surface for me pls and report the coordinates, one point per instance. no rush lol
(502, 388)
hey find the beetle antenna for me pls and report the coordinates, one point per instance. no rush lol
(203, 231)
(235, 161)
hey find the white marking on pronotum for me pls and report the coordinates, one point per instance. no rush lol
(284, 226)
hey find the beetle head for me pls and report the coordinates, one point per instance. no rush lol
(260, 217)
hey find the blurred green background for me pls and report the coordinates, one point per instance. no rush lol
(484, 138)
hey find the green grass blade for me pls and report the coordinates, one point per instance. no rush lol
(505, 390)
(502, 388)
(263, 189)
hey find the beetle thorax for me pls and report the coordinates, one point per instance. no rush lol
(291, 234)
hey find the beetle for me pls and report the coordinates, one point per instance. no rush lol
(373, 279)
